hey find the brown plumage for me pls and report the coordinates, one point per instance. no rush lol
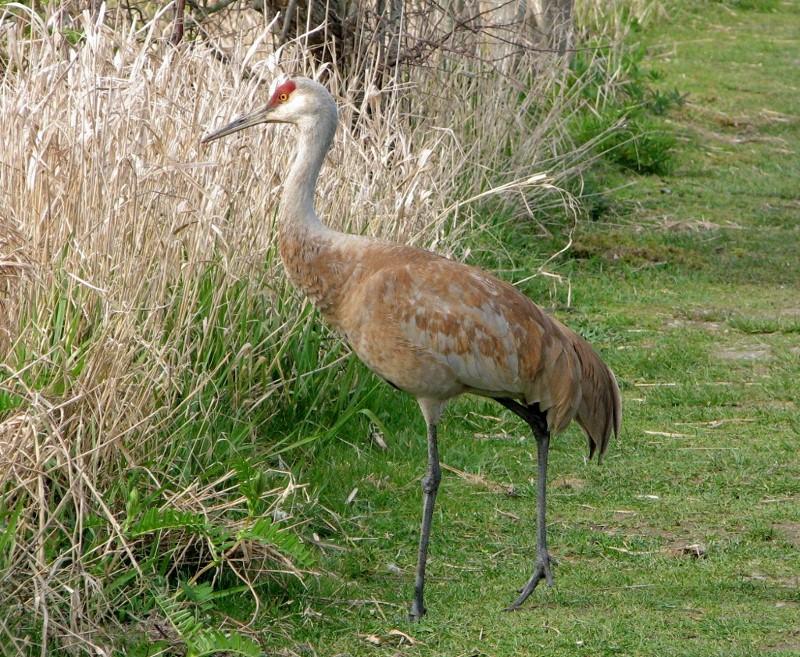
(433, 327)
(600, 409)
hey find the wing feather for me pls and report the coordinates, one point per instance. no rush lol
(436, 328)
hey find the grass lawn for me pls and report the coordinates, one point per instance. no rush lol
(686, 540)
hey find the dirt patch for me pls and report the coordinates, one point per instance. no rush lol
(706, 314)
(652, 532)
(157, 628)
(681, 545)
(747, 122)
(790, 531)
(635, 255)
(788, 646)
(608, 530)
(479, 480)
(772, 404)
(788, 642)
(744, 136)
(681, 548)
(745, 354)
(569, 483)
(698, 324)
(783, 582)
(690, 225)
(620, 248)
(687, 549)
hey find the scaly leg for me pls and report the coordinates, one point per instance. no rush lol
(541, 569)
(430, 484)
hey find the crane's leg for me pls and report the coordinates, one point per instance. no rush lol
(541, 569)
(430, 485)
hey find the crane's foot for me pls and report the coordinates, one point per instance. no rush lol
(417, 611)
(542, 570)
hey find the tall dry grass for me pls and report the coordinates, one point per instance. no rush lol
(154, 360)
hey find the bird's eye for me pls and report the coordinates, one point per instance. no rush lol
(283, 97)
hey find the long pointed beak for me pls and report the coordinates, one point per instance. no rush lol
(240, 123)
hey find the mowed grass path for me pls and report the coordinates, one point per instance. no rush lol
(686, 541)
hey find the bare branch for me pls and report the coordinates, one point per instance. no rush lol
(287, 19)
(177, 30)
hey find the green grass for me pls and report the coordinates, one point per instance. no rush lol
(624, 127)
(691, 293)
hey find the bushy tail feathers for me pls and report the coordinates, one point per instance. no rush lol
(600, 409)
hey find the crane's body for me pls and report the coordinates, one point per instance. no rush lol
(430, 326)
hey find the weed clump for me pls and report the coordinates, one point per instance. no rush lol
(752, 5)
(622, 123)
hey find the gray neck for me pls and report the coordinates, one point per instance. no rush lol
(297, 203)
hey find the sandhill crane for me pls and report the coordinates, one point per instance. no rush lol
(430, 326)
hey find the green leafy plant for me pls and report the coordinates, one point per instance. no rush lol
(620, 122)
(200, 639)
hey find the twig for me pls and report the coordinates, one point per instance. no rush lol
(666, 434)
(287, 17)
(508, 489)
(177, 30)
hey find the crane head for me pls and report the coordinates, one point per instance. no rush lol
(292, 100)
